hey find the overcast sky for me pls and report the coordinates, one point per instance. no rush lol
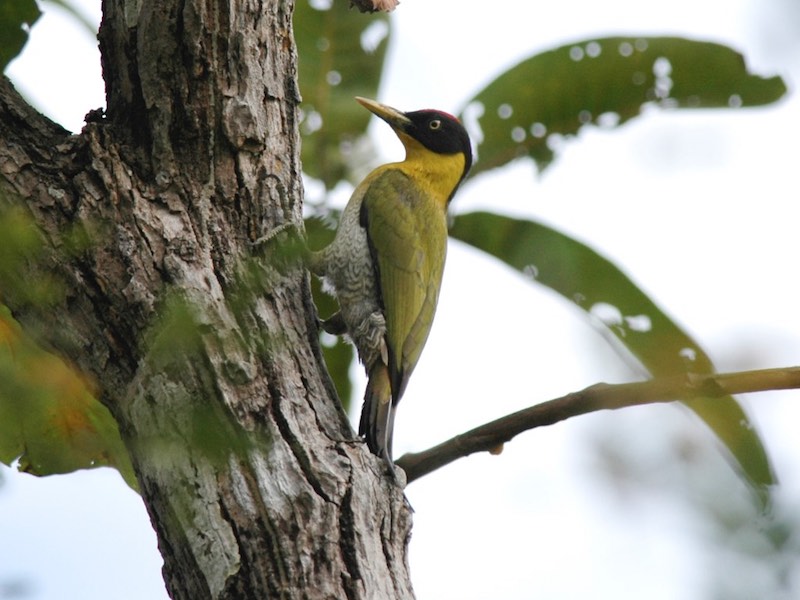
(698, 207)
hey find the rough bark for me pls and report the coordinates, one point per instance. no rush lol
(250, 471)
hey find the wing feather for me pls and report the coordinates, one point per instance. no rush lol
(407, 234)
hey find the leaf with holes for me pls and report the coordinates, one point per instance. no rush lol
(597, 286)
(527, 110)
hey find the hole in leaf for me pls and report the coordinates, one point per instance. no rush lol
(373, 35)
(607, 313)
(593, 49)
(321, 4)
(639, 323)
(555, 141)
(312, 121)
(333, 78)
(538, 130)
(625, 49)
(531, 271)
(735, 101)
(608, 120)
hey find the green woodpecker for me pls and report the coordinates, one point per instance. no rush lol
(385, 263)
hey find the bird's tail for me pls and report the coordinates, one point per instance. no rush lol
(377, 415)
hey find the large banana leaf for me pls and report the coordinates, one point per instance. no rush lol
(590, 281)
(606, 82)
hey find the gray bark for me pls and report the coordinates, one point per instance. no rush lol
(252, 476)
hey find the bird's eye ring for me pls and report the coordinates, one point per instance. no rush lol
(435, 124)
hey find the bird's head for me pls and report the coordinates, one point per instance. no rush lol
(435, 130)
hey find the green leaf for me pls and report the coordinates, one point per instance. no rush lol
(594, 284)
(16, 19)
(49, 420)
(528, 109)
(341, 55)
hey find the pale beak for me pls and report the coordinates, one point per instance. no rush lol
(395, 118)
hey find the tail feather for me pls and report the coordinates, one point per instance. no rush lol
(377, 415)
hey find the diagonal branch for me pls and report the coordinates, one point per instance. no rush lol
(601, 396)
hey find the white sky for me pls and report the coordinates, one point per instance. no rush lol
(698, 207)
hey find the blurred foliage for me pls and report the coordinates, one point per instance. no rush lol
(531, 107)
(49, 420)
(177, 342)
(598, 287)
(341, 54)
(22, 244)
(175, 337)
(745, 553)
(16, 19)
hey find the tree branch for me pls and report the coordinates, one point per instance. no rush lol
(601, 396)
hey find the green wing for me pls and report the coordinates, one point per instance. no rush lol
(407, 233)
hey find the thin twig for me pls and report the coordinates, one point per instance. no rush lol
(601, 396)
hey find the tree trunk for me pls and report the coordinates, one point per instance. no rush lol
(206, 355)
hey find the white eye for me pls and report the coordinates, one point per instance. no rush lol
(435, 124)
